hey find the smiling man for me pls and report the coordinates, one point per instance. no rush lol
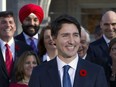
(84, 44)
(31, 16)
(67, 69)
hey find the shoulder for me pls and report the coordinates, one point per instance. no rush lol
(97, 42)
(19, 35)
(46, 66)
(21, 45)
(90, 66)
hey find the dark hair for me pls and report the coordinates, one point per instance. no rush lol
(56, 25)
(6, 14)
(19, 69)
(41, 45)
(112, 42)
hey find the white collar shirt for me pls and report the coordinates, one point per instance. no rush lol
(46, 57)
(72, 70)
(11, 43)
(106, 39)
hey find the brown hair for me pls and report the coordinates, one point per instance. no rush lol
(19, 69)
(41, 45)
(112, 42)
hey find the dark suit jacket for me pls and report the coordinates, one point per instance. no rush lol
(21, 37)
(19, 49)
(47, 75)
(99, 49)
(98, 53)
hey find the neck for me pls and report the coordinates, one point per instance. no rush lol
(26, 80)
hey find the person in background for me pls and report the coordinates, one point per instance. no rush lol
(84, 44)
(10, 49)
(67, 69)
(98, 50)
(24, 68)
(98, 32)
(31, 17)
(46, 45)
(112, 52)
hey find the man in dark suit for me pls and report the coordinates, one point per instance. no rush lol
(15, 48)
(98, 50)
(30, 16)
(67, 69)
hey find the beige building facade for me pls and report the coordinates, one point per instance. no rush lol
(87, 12)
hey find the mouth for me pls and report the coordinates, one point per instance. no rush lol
(7, 30)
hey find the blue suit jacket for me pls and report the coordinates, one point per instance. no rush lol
(19, 49)
(47, 75)
(98, 53)
(99, 50)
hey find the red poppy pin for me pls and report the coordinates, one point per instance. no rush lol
(83, 72)
(17, 47)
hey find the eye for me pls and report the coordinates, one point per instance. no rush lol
(34, 62)
(113, 49)
(36, 20)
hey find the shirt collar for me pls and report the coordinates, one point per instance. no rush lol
(46, 57)
(106, 39)
(27, 36)
(73, 63)
(10, 43)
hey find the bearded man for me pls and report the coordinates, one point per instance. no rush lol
(30, 16)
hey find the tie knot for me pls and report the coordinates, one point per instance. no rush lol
(66, 68)
(7, 46)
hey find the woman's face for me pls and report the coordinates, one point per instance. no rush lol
(113, 52)
(29, 64)
(48, 40)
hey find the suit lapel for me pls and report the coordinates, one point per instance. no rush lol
(54, 74)
(79, 80)
(2, 64)
(104, 45)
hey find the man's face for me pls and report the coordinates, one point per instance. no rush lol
(67, 41)
(108, 26)
(31, 25)
(7, 28)
(83, 45)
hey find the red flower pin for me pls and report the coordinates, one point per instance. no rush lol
(17, 47)
(83, 72)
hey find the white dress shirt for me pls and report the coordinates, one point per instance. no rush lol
(106, 39)
(46, 57)
(11, 43)
(72, 70)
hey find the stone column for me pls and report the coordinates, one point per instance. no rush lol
(2, 5)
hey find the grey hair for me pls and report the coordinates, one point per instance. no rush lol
(87, 34)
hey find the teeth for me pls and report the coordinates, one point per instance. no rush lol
(8, 30)
(71, 47)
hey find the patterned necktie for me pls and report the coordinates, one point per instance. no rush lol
(9, 61)
(66, 77)
(32, 44)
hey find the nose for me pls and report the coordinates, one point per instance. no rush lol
(50, 38)
(32, 65)
(8, 24)
(32, 22)
(71, 40)
(110, 26)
